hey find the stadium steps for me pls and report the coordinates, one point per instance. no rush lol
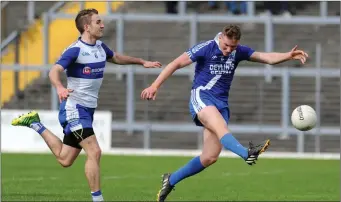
(242, 112)
(303, 38)
(314, 8)
(147, 45)
(330, 98)
(171, 107)
(113, 100)
(283, 34)
(35, 96)
(172, 100)
(15, 15)
(31, 46)
(167, 140)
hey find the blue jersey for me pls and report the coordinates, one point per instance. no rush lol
(213, 71)
(84, 64)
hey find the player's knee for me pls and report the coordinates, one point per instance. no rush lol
(98, 153)
(65, 163)
(95, 153)
(208, 160)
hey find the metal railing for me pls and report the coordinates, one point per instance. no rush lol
(4, 4)
(285, 73)
(130, 124)
(30, 16)
(182, 6)
(323, 12)
(193, 20)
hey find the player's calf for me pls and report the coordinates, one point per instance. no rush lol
(92, 166)
(64, 154)
(211, 148)
(213, 120)
(195, 166)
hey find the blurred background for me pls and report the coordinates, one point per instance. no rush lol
(34, 34)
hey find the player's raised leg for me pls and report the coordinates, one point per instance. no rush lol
(92, 164)
(65, 154)
(213, 120)
(209, 156)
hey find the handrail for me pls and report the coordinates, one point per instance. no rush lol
(211, 18)
(4, 4)
(241, 71)
(9, 39)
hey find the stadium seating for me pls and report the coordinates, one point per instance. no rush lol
(15, 15)
(31, 44)
(190, 141)
(15, 18)
(252, 100)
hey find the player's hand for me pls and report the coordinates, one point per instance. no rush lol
(63, 93)
(298, 55)
(150, 64)
(149, 93)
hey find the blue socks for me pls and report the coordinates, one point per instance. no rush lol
(193, 167)
(37, 126)
(230, 143)
(97, 196)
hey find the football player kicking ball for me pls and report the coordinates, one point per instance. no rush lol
(216, 62)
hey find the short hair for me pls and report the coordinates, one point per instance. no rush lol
(83, 18)
(232, 32)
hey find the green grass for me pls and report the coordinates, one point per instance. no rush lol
(38, 177)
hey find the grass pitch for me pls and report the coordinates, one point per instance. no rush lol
(34, 177)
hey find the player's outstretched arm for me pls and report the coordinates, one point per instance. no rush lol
(54, 76)
(125, 60)
(180, 62)
(273, 58)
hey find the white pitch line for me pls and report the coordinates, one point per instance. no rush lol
(23, 179)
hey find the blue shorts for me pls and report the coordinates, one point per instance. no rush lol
(73, 117)
(200, 99)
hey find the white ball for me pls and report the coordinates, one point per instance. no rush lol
(304, 118)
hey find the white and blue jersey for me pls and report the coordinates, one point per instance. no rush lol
(84, 65)
(213, 75)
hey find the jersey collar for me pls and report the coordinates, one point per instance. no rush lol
(85, 42)
(216, 39)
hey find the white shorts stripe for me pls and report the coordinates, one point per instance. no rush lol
(71, 110)
(196, 101)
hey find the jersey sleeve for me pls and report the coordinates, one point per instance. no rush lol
(68, 57)
(198, 51)
(107, 50)
(244, 53)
